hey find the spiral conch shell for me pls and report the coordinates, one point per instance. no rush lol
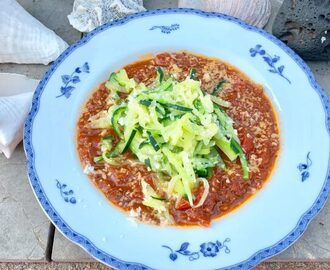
(25, 40)
(256, 12)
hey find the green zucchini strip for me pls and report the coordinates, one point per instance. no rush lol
(176, 130)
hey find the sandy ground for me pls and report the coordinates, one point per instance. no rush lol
(98, 266)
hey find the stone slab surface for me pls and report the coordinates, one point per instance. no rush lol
(32, 71)
(53, 14)
(152, 4)
(65, 251)
(23, 226)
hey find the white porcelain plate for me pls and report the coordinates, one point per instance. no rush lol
(262, 227)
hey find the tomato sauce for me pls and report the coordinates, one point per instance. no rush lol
(254, 120)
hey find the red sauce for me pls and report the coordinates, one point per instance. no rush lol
(254, 119)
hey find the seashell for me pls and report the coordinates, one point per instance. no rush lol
(256, 12)
(15, 101)
(24, 39)
(88, 14)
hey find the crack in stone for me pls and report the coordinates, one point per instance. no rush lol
(294, 249)
(14, 163)
(35, 227)
(3, 187)
(307, 243)
(328, 250)
(31, 252)
(41, 244)
(7, 199)
(26, 215)
(4, 199)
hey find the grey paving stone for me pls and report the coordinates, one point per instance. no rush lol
(32, 71)
(65, 251)
(152, 4)
(53, 14)
(23, 226)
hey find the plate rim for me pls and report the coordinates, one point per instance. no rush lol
(83, 241)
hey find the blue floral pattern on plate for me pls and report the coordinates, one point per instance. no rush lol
(166, 29)
(70, 80)
(270, 60)
(207, 249)
(304, 168)
(67, 194)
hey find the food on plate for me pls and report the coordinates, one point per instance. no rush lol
(178, 139)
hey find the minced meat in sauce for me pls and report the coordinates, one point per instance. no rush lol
(254, 120)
